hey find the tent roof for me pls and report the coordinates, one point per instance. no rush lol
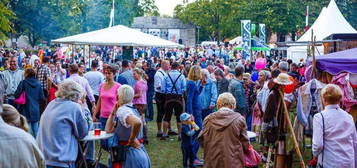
(118, 35)
(337, 62)
(330, 21)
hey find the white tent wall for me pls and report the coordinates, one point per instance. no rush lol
(330, 21)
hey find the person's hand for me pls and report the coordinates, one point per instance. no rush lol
(94, 118)
(134, 143)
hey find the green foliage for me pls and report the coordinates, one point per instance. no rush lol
(6, 25)
(148, 8)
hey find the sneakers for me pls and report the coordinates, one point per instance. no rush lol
(159, 135)
(164, 137)
(198, 162)
(172, 133)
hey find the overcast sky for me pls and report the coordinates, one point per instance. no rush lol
(166, 7)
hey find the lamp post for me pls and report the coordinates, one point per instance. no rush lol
(198, 34)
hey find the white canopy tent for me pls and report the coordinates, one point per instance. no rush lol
(238, 40)
(118, 36)
(330, 21)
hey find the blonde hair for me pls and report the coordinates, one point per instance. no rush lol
(125, 94)
(331, 94)
(12, 117)
(139, 71)
(195, 73)
(226, 100)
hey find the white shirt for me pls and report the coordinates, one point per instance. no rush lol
(339, 145)
(158, 78)
(95, 79)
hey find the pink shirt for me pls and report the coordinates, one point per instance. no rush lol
(142, 86)
(108, 99)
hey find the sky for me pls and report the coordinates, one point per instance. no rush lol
(166, 7)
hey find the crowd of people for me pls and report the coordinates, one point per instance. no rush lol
(214, 94)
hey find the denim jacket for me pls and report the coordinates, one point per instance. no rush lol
(208, 94)
(237, 89)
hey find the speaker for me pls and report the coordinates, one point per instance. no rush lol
(128, 52)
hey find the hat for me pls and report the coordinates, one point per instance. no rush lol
(184, 116)
(203, 59)
(246, 76)
(283, 79)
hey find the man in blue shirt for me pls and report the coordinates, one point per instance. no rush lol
(173, 86)
(236, 87)
(126, 74)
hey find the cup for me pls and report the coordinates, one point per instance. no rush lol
(97, 129)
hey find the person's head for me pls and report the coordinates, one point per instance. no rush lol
(29, 72)
(36, 63)
(210, 68)
(239, 70)
(13, 63)
(294, 67)
(282, 80)
(73, 69)
(70, 90)
(195, 73)
(125, 64)
(331, 94)
(175, 66)
(263, 76)
(12, 117)
(218, 74)
(284, 66)
(185, 118)
(45, 60)
(125, 94)
(138, 73)
(94, 65)
(165, 65)
(246, 78)
(81, 68)
(110, 72)
(205, 74)
(52, 68)
(226, 100)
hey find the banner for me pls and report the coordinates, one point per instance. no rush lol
(174, 35)
(262, 34)
(154, 32)
(246, 38)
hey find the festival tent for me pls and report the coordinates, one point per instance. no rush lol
(118, 36)
(330, 21)
(255, 46)
(237, 40)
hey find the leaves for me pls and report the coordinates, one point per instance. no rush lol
(6, 15)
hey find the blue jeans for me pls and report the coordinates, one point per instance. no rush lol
(33, 127)
(150, 108)
(249, 121)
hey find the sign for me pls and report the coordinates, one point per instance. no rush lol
(174, 35)
(154, 32)
(246, 38)
(262, 34)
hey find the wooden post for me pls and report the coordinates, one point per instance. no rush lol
(296, 144)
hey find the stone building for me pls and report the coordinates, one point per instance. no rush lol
(167, 28)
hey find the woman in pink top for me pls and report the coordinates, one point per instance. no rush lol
(108, 92)
(140, 89)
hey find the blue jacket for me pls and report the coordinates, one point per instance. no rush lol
(237, 89)
(193, 105)
(34, 94)
(208, 95)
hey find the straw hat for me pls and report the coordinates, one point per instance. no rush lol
(283, 79)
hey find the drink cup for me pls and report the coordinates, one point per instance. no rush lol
(97, 129)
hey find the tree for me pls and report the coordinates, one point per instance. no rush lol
(6, 15)
(148, 8)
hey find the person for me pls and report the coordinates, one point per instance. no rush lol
(261, 99)
(224, 137)
(127, 73)
(274, 126)
(34, 96)
(140, 99)
(193, 106)
(12, 117)
(27, 154)
(221, 81)
(108, 92)
(150, 72)
(43, 74)
(12, 78)
(159, 95)
(334, 139)
(74, 76)
(189, 129)
(62, 124)
(237, 89)
(250, 95)
(95, 79)
(173, 86)
(208, 94)
(81, 69)
(129, 130)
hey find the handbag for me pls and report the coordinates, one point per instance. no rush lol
(251, 157)
(21, 100)
(118, 153)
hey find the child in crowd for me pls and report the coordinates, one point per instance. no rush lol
(189, 128)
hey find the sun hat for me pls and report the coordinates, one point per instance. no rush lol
(184, 116)
(246, 76)
(283, 79)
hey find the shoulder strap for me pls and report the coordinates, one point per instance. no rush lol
(162, 73)
(323, 138)
(174, 82)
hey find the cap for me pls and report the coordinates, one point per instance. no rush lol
(184, 116)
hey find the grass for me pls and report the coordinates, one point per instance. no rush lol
(167, 154)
